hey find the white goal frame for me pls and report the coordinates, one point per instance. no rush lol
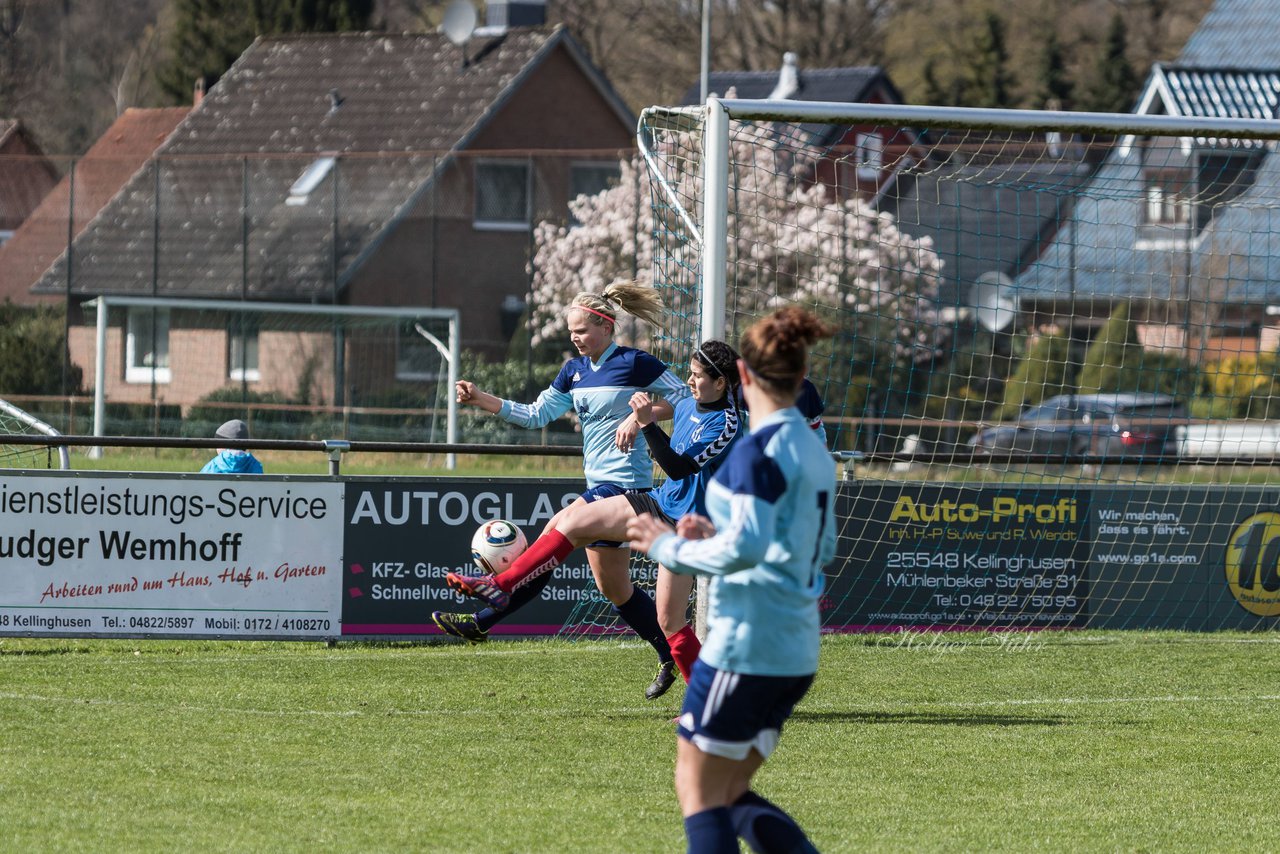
(451, 355)
(710, 230)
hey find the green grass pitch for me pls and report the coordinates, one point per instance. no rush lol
(1049, 741)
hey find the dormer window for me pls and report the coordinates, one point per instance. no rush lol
(309, 180)
(869, 155)
(1167, 201)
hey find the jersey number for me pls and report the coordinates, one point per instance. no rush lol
(822, 529)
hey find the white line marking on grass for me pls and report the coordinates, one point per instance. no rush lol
(1189, 699)
(660, 716)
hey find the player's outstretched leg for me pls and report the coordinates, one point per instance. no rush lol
(482, 587)
(460, 626)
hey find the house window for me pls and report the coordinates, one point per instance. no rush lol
(242, 349)
(147, 346)
(869, 155)
(502, 195)
(4, 236)
(417, 357)
(1167, 202)
(588, 179)
(309, 180)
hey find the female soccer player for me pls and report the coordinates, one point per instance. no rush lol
(673, 590)
(597, 384)
(704, 427)
(770, 533)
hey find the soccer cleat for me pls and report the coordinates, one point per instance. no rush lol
(460, 626)
(661, 683)
(482, 587)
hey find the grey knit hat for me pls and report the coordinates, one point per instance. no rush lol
(233, 429)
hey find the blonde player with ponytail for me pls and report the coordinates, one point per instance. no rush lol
(598, 385)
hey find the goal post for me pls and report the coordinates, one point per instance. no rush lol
(1055, 330)
(335, 356)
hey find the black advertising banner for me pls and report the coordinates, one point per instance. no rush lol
(403, 536)
(1190, 558)
(921, 556)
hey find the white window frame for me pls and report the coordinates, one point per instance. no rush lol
(869, 155)
(523, 224)
(243, 374)
(139, 373)
(1158, 202)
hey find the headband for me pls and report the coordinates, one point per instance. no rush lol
(612, 320)
(710, 364)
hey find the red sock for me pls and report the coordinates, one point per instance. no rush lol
(685, 647)
(546, 553)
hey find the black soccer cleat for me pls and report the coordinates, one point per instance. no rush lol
(661, 683)
(460, 626)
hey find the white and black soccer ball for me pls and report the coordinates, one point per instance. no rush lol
(496, 545)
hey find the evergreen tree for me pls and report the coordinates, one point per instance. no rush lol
(1115, 83)
(209, 35)
(938, 94)
(1054, 89)
(1113, 349)
(1043, 373)
(989, 66)
(1117, 362)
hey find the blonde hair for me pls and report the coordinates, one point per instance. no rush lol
(634, 298)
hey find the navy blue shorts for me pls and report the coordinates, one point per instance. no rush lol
(727, 714)
(608, 490)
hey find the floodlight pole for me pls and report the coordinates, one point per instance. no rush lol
(100, 378)
(715, 236)
(704, 76)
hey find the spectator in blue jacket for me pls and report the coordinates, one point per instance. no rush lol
(228, 460)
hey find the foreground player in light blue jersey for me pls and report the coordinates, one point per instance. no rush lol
(598, 385)
(771, 531)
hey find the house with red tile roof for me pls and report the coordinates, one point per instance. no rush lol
(354, 169)
(26, 175)
(68, 208)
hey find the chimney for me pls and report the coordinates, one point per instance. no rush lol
(788, 78)
(502, 14)
(197, 94)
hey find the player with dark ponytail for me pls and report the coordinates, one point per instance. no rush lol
(770, 532)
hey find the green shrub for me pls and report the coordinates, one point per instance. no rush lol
(1044, 372)
(32, 351)
(254, 408)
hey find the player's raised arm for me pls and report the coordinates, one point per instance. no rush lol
(470, 395)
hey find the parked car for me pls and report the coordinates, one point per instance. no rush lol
(1110, 425)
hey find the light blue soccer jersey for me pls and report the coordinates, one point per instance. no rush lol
(772, 503)
(600, 393)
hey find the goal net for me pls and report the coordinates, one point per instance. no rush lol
(165, 366)
(1055, 378)
(17, 422)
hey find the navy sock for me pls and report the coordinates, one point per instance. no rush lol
(641, 615)
(766, 828)
(711, 832)
(487, 618)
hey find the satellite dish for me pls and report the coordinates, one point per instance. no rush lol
(459, 22)
(994, 302)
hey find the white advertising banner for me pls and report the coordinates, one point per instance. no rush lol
(101, 554)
